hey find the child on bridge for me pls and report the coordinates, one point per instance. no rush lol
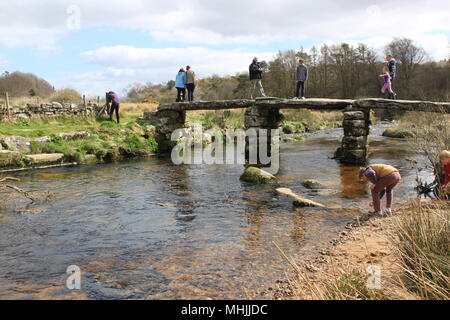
(387, 83)
(384, 179)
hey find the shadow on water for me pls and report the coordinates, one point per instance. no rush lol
(150, 230)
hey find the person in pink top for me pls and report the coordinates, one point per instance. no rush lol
(387, 83)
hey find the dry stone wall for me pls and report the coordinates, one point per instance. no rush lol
(47, 110)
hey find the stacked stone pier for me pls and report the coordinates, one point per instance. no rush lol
(264, 113)
(354, 148)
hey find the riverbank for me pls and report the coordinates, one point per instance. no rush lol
(342, 269)
(74, 140)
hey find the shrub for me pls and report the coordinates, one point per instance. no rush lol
(66, 95)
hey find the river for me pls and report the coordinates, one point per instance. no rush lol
(147, 229)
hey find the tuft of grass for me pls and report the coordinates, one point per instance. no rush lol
(423, 245)
(352, 285)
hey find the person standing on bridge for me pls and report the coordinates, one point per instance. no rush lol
(181, 87)
(392, 66)
(189, 81)
(114, 99)
(255, 71)
(301, 76)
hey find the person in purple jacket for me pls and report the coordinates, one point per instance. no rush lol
(114, 99)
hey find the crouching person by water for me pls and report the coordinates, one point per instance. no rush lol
(384, 179)
(444, 157)
(114, 99)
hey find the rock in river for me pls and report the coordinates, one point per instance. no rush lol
(299, 201)
(313, 184)
(258, 175)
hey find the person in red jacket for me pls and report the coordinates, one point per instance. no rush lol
(444, 157)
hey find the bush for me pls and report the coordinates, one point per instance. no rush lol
(66, 96)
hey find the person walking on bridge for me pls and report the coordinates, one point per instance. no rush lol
(301, 76)
(114, 99)
(189, 81)
(255, 71)
(387, 83)
(392, 66)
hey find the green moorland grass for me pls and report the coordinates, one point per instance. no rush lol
(295, 121)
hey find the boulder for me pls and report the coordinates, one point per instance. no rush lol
(43, 141)
(74, 135)
(299, 201)
(89, 159)
(43, 159)
(150, 131)
(17, 143)
(9, 158)
(313, 184)
(252, 174)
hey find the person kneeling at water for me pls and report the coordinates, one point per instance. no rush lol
(384, 179)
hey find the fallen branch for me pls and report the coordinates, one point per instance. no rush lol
(17, 189)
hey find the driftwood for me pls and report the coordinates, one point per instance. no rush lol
(5, 185)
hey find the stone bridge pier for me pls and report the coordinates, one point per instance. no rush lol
(355, 143)
(169, 121)
(262, 117)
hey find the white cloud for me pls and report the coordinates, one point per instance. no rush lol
(124, 64)
(232, 21)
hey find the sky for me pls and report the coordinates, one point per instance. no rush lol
(95, 46)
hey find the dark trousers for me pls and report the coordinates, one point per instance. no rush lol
(300, 91)
(114, 108)
(190, 88)
(181, 94)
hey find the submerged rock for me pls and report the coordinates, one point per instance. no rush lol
(313, 184)
(299, 201)
(252, 174)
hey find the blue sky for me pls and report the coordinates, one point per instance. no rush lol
(95, 46)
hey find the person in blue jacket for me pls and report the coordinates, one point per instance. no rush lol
(179, 84)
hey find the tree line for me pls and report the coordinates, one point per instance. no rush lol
(340, 71)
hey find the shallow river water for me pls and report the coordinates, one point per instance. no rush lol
(148, 229)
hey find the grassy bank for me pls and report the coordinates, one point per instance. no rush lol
(106, 140)
(411, 250)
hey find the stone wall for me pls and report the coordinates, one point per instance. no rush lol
(47, 110)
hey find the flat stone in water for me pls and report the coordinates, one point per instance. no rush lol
(124, 284)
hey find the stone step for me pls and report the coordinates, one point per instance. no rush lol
(41, 159)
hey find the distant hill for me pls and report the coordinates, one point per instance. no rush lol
(19, 84)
